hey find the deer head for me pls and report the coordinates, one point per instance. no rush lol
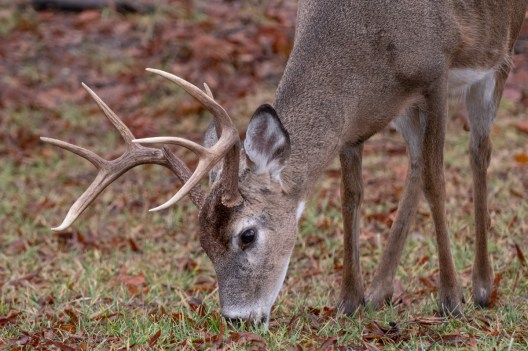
(247, 221)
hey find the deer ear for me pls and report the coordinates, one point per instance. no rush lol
(209, 140)
(267, 143)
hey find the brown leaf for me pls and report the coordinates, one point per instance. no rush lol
(458, 340)
(520, 255)
(427, 281)
(135, 283)
(154, 339)
(521, 158)
(73, 317)
(46, 300)
(243, 338)
(495, 293)
(133, 245)
(101, 315)
(522, 127)
(68, 327)
(60, 345)
(17, 247)
(28, 277)
(370, 347)
(375, 332)
(329, 343)
(432, 320)
(11, 317)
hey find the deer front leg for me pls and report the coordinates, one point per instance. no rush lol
(450, 295)
(352, 295)
(382, 287)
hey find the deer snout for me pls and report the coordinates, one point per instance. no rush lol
(237, 322)
(253, 319)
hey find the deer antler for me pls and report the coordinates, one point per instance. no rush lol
(109, 171)
(226, 147)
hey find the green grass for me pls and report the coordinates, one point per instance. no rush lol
(90, 270)
(122, 274)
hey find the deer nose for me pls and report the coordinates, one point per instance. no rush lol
(237, 322)
(234, 322)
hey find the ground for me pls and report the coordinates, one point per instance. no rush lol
(124, 278)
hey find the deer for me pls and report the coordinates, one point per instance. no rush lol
(355, 67)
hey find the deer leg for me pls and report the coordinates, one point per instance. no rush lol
(352, 295)
(382, 288)
(482, 101)
(450, 295)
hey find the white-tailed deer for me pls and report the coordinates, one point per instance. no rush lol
(355, 67)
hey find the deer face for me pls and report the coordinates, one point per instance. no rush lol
(250, 244)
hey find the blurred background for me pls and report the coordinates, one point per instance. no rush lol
(102, 282)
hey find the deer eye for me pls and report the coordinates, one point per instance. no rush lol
(248, 236)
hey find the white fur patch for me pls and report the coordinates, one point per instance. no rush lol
(262, 158)
(300, 210)
(460, 79)
(279, 285)
(481, 104)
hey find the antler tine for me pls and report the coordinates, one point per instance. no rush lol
(98, 185)
(191, 145)
(226, 147)
(201, 170)
(183, 173)
(219, 114)
(135, 155)
(208, 159)
(95, 159)
(126, 134)
(208, 91)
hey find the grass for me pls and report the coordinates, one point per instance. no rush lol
(123, 278)
(119, 295)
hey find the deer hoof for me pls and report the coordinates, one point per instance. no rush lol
(451, 303)
(378, 296)
(349, 305)
(482, 293)
(482, 287)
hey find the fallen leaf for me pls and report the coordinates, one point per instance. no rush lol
(101, 315)
(458, 340)
(329, 343)
(11, 317)
(60, 345)
(135, 283)
(28, 277)
(521, 126)
(495, 292)
(521, 158)
(520, 254)
(133, 245)
(46, 300)
(154, 339)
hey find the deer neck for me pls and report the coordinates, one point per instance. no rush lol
(315, 124)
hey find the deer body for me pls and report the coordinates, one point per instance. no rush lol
(355, 67)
